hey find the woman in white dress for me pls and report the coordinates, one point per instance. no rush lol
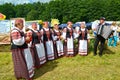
(68, 36)
(22, 58)
(83, 40)
(47, 35)
(57, 38)
(36, 46)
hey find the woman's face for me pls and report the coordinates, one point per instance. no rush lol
(82, 25)
(46, 24)
(70, 24)
(19, 24)
(56, 26)
(34, 26)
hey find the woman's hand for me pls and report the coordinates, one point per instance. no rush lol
(27, 39)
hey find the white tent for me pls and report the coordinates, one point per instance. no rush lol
(4, 26)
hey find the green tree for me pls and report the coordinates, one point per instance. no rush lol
(19, 9)
(65, 10)
(8, 10)
(32, 15)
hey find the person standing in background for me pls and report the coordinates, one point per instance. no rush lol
(68, 36)
(35, 45)
(57, 39)
(47, 35)
(112, 41)
(83, 40)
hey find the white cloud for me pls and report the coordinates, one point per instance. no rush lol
(21, 1)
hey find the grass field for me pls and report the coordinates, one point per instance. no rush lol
(88, 67)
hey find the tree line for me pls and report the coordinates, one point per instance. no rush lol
(64, 10)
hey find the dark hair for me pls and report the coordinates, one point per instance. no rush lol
(102, 18)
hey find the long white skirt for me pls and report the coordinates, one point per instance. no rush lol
(29, 62)
(59, 45)
(70, 46)
(50, 50)
(41, 52)
(83, 47)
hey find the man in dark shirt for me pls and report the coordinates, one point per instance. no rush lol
(99, 38)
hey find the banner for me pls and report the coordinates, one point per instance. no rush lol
(2, 16)
(5, 32)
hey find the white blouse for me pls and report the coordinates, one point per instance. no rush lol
(19, 41)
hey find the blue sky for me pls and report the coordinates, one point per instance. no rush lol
(21, 1)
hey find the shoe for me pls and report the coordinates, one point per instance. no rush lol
(71, 55)
(100, 55)
(67, 55)
(95, 54)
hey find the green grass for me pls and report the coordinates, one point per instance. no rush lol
(88, 67)
(6, 66)
(5, 48)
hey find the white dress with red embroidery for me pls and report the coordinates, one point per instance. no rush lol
(39, 47)
(22, 58)
(49, 46)
(83, 45)
(59, 44)
(70, 43)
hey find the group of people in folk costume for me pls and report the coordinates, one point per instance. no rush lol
(34, 48)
